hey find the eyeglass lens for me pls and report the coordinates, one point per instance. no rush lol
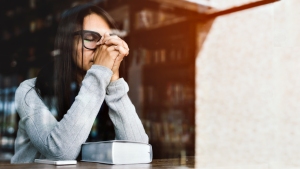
(90, 40)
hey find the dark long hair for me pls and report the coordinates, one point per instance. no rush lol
(56, 78)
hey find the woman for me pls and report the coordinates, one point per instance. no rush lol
(91, 57)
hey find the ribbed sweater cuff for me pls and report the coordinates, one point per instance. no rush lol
(117, 87)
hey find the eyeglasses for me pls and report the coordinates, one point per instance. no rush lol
(89, 38)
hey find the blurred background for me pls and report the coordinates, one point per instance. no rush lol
(213, 79)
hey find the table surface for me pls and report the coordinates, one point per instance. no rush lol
(188, 162)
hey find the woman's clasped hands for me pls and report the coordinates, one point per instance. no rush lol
(110, 53)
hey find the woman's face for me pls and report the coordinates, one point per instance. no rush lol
(92, 22)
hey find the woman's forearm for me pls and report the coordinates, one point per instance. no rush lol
(63, 139)
(122, 112)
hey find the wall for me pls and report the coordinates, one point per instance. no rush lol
(248, 88)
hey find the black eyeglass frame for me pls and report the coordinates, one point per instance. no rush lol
(81, 32)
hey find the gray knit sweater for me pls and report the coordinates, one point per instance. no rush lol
(40, 135)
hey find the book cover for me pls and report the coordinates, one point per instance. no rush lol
(117, 152)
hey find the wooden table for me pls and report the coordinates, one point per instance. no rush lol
(188, 162)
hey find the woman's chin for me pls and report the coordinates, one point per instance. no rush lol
(91, 64)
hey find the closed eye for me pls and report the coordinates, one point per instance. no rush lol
(90, 37)
(88, 40)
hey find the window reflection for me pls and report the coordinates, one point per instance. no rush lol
(160, 69)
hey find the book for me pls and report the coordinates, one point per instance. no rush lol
(117, 152)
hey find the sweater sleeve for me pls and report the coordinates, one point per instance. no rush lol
(122, 112)
(62, 140)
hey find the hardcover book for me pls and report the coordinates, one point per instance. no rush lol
(117, 152)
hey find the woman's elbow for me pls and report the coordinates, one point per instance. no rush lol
(145, 139)
(63, 154)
